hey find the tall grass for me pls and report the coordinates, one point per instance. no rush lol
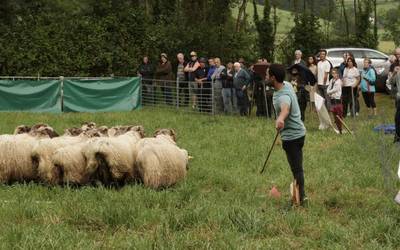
(223, 203)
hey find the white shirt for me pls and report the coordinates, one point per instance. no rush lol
(334, 89)
(350, 77)
(323, 67)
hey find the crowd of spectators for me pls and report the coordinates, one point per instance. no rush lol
(236, 87)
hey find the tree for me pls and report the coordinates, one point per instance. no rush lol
(265, 30)
(391, 23)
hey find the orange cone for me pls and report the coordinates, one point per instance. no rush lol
(274, 193)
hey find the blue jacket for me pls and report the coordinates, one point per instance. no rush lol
(368, 78)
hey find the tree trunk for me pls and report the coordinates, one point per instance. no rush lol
(375, 22)
(346, 21)
(241, 15)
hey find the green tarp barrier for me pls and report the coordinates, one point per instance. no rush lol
(32, 96)
(122, 94)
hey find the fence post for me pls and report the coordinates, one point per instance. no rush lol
(62, 93)
(212, 97)
(177, 92)
(141, 90)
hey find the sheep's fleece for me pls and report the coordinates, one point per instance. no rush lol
(90, 155)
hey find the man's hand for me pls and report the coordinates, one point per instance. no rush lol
(280, 124)
(244, 87)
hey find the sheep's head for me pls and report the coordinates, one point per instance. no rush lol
(73, 131)
(166, 131)
(88, 126)
(22, 129)
(43, 130)
(103, 130)
(138, 129)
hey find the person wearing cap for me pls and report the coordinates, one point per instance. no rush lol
(190, 69)
(165, 77)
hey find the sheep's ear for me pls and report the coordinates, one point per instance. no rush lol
(51, 133)
(173, 134)
(157, 132)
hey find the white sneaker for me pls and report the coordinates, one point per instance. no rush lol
(321, 127)
(397, 198)
(357, 114)
(348, 114)
(336, 131)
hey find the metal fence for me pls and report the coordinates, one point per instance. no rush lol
(188, 96)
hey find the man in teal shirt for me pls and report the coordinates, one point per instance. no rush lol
(289, 123)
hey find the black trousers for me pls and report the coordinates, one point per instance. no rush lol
(242, 101)
(369, 99)
(397, 121)
(167, 93)
(302, 98)
(294, 155)
(184, 92)
(348, 101)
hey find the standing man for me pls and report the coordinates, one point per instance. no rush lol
(323, 67)
(395, 81)
(146, 72)
(298, 58)
(181, 78)
(190, 69)
(241, 81)
(289, 123)
(203, 90)
(218, 78)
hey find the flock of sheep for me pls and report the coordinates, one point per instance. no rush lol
(92, 155)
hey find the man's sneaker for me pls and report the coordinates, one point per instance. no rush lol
(357, 114)
(397, 198)
(304, 202)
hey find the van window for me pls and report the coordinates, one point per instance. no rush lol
(357, 53)
(374, 55)
(336, 54)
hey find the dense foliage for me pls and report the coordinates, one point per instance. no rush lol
(106, 37)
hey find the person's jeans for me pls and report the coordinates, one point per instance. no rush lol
(369, 99)
(242, 101)
(294, 155)
(227, 96)
(218, 97)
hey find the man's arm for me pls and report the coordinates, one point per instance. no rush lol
(280, 121)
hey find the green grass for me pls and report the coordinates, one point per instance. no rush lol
(223, 203)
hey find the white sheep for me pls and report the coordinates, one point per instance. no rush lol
(159, 161)
(15, 154)
(111, 159)
(42, 153)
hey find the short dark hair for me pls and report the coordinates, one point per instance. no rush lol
(278, 71)
(323, 50)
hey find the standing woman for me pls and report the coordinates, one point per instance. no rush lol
(368, 78)
(351, 80)
(312, 66)
(164, 73)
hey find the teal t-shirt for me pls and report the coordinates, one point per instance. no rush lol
(368, 74)
(294, 127)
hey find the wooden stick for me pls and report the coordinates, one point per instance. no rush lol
(344, 124)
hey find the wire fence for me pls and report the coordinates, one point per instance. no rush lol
(198, 97)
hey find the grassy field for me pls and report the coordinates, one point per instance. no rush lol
(223, 203)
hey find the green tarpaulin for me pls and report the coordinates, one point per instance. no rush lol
(122, 94)
(32, 96)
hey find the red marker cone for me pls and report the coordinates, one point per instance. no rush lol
(274, 193)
